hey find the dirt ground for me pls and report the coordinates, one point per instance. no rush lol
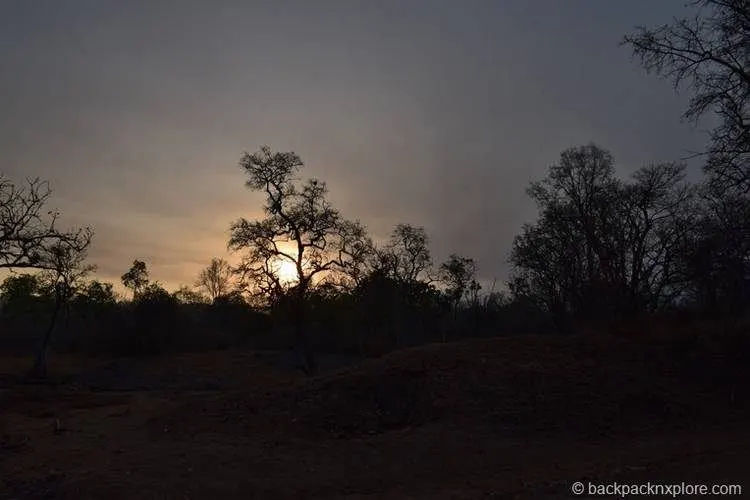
(520, 417)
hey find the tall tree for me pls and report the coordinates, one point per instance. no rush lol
(602, 247)
(216, 279)
(301, 228)
(709, 52)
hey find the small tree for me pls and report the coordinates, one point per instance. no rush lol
(136, 279)
(65, 268)
(406, 257)
(216, 279)
(459, 276)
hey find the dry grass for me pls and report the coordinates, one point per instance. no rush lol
(501, 418)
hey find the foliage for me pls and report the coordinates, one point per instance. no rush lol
(97, 292)
(184, 295)
(459, 275)
(136, 279)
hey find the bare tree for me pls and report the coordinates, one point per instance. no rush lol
(319, 242)
(27, 231)
(65, 268)
(355, 255)
(216, 279)
(136, 279)
(406, 257)
(602, 247)
(710, 53)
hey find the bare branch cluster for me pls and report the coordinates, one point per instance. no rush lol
(711, 53)
(300, 227)
(29, 237)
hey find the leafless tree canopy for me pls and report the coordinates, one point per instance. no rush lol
(321, 243)
(216, 279)
(602, 246)
(710, 52)
(406, 257)
(29, 237)
(68, 269)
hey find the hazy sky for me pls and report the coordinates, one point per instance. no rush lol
(434, 112)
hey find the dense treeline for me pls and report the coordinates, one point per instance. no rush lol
(605, 250)
(377, 315)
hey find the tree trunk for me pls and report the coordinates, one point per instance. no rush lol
(40, 361)
(301, 334)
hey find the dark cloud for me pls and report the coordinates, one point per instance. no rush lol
(437, 113)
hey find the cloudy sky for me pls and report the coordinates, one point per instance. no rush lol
(432, 112)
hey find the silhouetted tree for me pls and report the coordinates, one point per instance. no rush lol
(155, 321)
(459, 276)
(27, 232)
(97, 292)
(406, 257)
(717, 257)
(301, 216)
(65, 267)
(18, 290)
(216, 279)
(184, 295)
(710, 53)
(603, 248)
(395, 283)
(356, 251)
(136, 279)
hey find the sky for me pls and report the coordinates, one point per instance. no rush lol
(436, 113)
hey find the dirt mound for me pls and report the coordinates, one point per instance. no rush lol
(362, 404)
(587, 386)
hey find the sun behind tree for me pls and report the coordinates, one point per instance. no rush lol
(286, 271)
(302, 237)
